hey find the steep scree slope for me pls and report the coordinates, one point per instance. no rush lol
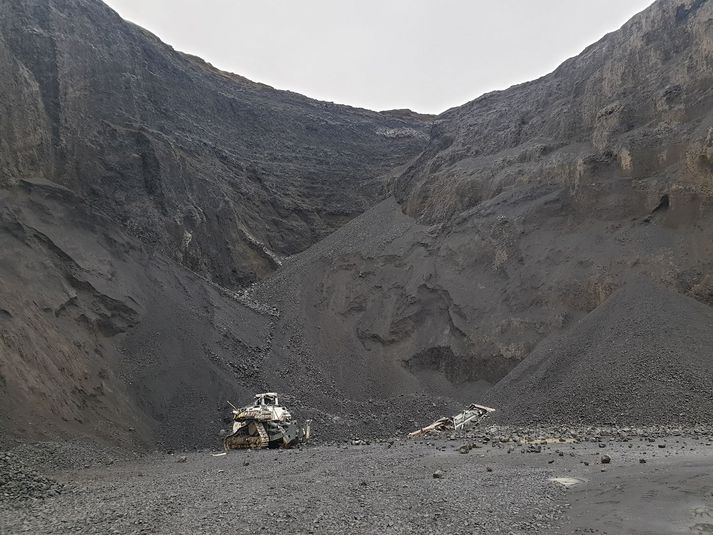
(386, 305)
(643, 356)
(101, 338)
(597, 172)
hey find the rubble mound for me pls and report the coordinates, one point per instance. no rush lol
(641, 358)
(19, 482)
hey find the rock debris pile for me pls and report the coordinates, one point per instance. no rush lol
(18, 482)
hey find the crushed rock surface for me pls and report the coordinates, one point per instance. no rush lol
(20, 482)
(376, 488)
(494, 480)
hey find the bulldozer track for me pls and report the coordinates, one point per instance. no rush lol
(264, 439)
(242, 441)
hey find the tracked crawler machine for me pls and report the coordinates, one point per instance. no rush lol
(265, 424)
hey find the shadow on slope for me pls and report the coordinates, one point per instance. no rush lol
(101, 339)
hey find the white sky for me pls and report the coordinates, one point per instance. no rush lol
(427, 55)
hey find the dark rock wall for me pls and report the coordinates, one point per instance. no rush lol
(620, 125)
(223, 174)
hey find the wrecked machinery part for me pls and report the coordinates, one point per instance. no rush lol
(471, 416)
(463, 420)
(441, 424)
(265, 424)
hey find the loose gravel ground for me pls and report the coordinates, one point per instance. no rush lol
(494, 481)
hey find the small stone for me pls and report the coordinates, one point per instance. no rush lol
(182, 459)
(606, 459)
(642, 461)
(438, 474)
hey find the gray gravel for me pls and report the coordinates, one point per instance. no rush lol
(19, 482)
(377, 488)
(642, 358)
(493, 480)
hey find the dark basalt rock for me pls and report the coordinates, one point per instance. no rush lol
(225, 175)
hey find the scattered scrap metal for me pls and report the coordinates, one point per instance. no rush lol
(468, 418)
(265, 424)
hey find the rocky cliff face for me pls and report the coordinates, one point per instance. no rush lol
(619, 126)
(222, 174)
(123, 163)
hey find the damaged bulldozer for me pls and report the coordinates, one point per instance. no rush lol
(265, 424)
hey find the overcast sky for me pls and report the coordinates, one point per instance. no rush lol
(427, 55)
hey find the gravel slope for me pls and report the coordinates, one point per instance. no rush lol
(643, 357)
